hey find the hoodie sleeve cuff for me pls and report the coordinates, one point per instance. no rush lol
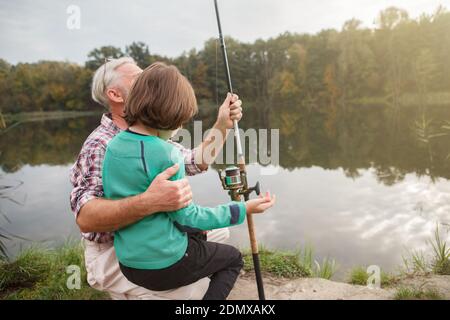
(237, 213)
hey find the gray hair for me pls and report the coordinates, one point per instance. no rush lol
(106, 76)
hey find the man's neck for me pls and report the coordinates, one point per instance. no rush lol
(118, 120)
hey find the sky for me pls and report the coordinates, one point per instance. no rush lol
(32, 30)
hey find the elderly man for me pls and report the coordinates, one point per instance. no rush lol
(98, 218)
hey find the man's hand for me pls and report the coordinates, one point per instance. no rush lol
(105, 215)
(166, 195)
(231, 109)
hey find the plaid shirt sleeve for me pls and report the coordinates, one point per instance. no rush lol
(86, 174)
(189, 160)
(86, 177)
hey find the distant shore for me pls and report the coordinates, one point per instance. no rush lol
(46, 115)
(11, 120)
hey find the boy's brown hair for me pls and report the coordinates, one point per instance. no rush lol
(161, 98)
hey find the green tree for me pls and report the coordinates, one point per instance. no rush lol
(97, 56)
(140, 53)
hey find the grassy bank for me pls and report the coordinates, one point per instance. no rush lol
(291, 264)
(359, 276)
(41, 273)
(416, 264)
(413, 293)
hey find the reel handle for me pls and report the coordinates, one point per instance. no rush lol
(221, 178)
(256, 188)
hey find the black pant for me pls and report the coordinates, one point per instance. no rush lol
(202, 259)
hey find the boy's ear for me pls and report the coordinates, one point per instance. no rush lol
(114, 95)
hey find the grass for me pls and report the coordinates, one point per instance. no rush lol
(41, 274)
(441, 262)
(3, 236)
(5, 189)
(438, 263)
(289, 264)
(359, 276)
(415, 262)
(405, 293)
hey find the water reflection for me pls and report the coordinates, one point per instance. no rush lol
(358, 138)
(44, 142)
(361, 137)
(356, 221)
(359, 186)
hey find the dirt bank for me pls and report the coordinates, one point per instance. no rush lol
(315, 288)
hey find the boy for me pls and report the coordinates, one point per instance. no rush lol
(157, 252)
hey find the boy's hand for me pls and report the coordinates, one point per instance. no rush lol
(231, 109)
(260, 204)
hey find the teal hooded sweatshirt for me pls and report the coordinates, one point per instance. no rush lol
(159, 240)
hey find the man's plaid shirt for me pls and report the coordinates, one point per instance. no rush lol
(86, 173)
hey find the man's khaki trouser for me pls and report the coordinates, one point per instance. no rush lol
(103, 273)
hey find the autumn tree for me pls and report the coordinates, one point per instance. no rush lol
(97, 56)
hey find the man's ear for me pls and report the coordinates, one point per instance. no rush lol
(114, 95)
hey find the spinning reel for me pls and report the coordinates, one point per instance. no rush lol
(235, 181)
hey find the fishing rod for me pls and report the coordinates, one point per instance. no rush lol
(235, 178)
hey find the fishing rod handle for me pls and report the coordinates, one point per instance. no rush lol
(251, 232)
(236, 196)
(237, 138)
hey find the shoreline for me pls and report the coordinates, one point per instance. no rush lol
(39, 273)
(46, 115)
(413, 287)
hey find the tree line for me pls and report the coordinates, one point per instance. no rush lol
(401, 60)
(364, 139)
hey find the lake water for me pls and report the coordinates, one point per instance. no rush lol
(361, 187)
